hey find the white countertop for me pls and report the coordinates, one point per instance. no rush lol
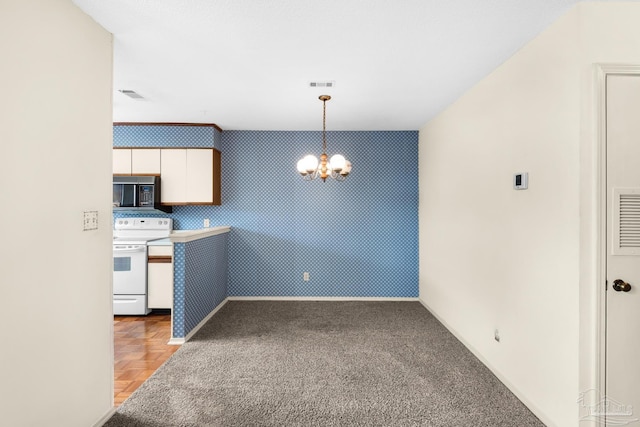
(160, 242)
(183, 236)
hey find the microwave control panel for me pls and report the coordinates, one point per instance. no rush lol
(145, 195)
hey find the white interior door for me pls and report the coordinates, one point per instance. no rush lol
(622, 401)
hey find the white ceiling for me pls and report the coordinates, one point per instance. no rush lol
(246, 64)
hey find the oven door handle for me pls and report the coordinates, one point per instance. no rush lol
(129, 250)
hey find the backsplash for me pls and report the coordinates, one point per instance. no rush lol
(357, 238)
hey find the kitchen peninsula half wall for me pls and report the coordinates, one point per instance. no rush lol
(199, 278)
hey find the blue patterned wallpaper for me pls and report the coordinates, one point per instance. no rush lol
(178, 290)
(165, 136)
(200, 281)
(357, 238)
(217, 138)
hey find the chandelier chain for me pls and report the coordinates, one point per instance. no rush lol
(324, 125)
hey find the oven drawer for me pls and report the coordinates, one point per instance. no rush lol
(130, 305)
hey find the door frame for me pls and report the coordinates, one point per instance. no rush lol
(598, 307)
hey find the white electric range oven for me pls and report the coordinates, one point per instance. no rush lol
(130, 237)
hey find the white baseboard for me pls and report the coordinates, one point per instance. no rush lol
(320, 299)
(533, 408)
(105, 417)
(180, 341)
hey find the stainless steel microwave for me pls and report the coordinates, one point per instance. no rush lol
(137, 193)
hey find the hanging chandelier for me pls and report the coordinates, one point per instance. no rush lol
(337, 168)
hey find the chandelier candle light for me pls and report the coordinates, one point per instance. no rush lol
(337, 168)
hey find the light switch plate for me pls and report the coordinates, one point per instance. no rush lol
(90, 220)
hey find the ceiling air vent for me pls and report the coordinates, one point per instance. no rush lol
(329, 83)
(131, 94)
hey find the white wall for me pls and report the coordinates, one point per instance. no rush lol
(55, 279)
(493, 257)
(523, 261)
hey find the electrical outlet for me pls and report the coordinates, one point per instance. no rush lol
(206, 223)
(496, 335)
(305, 276)
(90, 221)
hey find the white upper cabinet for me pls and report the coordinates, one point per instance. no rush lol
(136, 161)
(145, 161)
(200, 176)
(173, 175)
(122, 161)
(190, 176)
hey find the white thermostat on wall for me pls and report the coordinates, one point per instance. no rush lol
(520, 180)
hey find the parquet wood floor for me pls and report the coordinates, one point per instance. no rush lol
(140, 347)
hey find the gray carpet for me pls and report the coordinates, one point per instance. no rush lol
(286, 363)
